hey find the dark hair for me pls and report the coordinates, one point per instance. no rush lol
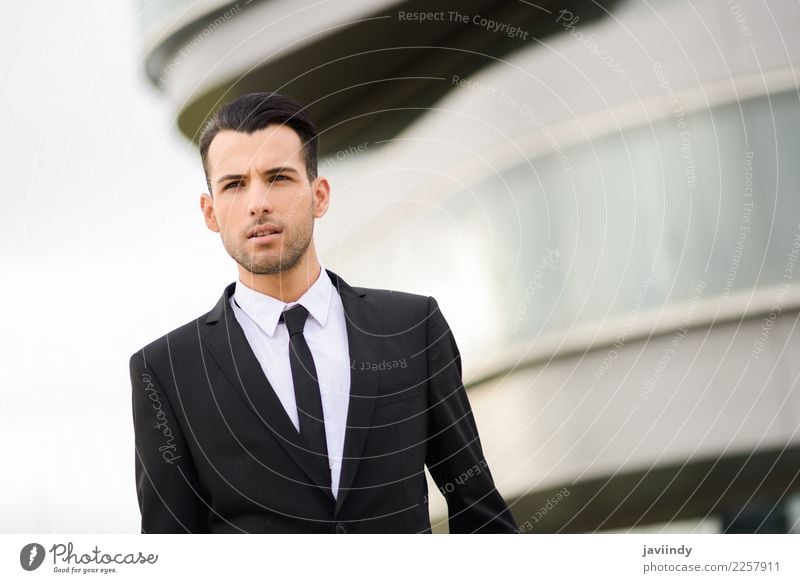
(255, 111)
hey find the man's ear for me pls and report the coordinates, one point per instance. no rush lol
(322, 195)
(207, 206)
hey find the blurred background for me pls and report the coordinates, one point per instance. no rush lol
(602, 196)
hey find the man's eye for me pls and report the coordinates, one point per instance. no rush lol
(278, 176)
(232, 184)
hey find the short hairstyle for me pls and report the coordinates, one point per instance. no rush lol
(255, 111)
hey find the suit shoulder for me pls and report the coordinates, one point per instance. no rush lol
(184, 338)
(401, 311)
(172, 340)
(395, 298)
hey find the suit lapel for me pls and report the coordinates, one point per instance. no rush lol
(225, 339)
(365, 345)
(227, 343)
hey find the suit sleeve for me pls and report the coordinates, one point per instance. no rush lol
(167, 487)
(454, 454)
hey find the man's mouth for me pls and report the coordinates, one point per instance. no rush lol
(264, 233)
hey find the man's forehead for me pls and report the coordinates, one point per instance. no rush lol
(275, 145)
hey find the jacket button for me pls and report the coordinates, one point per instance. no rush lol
(341, 528)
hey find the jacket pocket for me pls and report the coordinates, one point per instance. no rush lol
(399, 392)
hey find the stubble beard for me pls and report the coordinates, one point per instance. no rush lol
(292, 250)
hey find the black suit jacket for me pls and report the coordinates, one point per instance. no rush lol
(216, 451)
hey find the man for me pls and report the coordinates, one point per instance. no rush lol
(299, 403)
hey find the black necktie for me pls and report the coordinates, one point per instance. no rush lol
(306, 387)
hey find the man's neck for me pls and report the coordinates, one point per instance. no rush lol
(286, 286)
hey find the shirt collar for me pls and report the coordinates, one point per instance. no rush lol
(265, 310)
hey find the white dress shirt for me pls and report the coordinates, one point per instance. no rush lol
(326, 336)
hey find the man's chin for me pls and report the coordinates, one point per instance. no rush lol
(272, 267)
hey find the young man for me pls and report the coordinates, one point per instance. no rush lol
(299, 403)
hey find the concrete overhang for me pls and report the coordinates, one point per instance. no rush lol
(364, 70)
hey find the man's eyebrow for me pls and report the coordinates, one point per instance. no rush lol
(279, 169)
(271, 171)
(230, 177)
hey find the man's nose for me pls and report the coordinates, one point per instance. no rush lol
(259, 200)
